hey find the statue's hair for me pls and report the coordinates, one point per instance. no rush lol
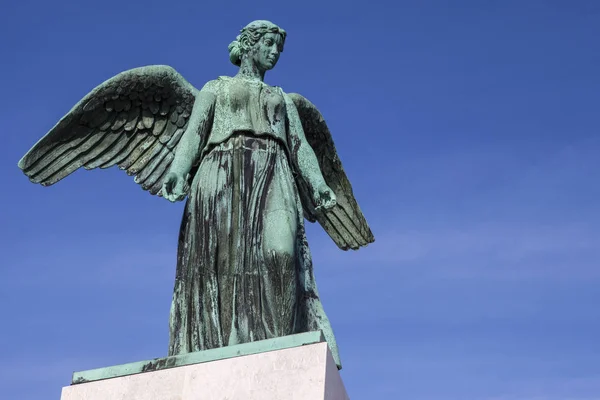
(249, 36)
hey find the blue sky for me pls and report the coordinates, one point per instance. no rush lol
(470, 132)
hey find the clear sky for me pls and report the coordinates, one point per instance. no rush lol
(469, 129)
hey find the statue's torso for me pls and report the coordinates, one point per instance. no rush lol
(246, 106)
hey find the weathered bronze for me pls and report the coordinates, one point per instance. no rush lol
(252, 162)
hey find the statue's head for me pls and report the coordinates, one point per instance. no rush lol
(261, 41)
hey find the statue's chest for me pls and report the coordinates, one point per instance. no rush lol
(262, 104)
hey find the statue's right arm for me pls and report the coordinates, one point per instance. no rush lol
(188, 150)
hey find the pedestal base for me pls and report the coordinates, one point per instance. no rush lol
(298, 367)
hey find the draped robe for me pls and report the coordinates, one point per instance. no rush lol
(244, 269)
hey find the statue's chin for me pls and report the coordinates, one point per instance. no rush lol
(270, 65)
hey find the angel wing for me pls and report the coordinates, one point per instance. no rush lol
(345, 223)
(134, 120)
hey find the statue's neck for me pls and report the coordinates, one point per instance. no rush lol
(249, 70)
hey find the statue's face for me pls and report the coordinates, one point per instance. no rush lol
(266, 52)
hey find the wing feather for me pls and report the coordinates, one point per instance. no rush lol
(134, 120)
(175, 138)
(141, 155)
(345, 222)
(339, 218)
(157, 186)
(44, 159)
(110, 153)
(159, 126)
(120, 158)
(150, 180)
(63, 162)
(156, 159)
(111, 139)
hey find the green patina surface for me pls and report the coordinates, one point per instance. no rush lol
(251, 161)
(245, 349)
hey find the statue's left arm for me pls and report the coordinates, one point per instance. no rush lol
(322, 177)
(306, 160)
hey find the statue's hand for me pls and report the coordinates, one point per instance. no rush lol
(324, 197)
(173, 187)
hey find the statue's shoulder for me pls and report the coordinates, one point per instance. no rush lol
(219, 84)
(227, 80)
(214, 85)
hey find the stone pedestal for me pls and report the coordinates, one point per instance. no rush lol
(298, 367)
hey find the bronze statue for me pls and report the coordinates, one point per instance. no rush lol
(253, 162)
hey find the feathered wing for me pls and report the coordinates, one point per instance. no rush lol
(134, 120)
(345, 223)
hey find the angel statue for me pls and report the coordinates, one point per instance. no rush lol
(253, 162)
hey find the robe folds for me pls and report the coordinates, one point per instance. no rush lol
(244, 269)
